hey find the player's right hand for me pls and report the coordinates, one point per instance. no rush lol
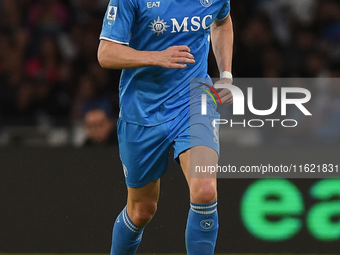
(176, 57)
(225, 94)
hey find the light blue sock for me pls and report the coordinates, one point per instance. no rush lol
(126, 236)
(202, 228)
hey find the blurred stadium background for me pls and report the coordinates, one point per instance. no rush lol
(50, 76)
(58, 198)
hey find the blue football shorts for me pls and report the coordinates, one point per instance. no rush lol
(144, 150)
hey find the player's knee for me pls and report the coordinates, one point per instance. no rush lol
(143, 213)
(204, 193)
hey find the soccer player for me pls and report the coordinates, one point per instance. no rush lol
(161, 45)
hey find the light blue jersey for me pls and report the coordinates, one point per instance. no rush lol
(153, 95)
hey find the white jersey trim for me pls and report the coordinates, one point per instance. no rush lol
(111, 40)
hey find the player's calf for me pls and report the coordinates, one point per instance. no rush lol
(202, 224)
(126, 236)
(129, 226)
(202, 228)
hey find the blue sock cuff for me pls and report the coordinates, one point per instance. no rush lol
(128, 222)
(126, 236)
(204, 208)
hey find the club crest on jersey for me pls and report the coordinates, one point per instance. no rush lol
(158, 26)
(112, 13)
(206, 3)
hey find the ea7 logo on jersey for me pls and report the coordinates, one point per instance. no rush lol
(112, 13)
(153, 4)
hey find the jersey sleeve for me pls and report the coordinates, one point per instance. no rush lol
(224, 12)
(118, 20)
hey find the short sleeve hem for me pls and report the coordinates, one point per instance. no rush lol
(223, 17)
(112, 40)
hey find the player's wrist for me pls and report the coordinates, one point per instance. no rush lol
(226, 75)
(151, 58)
(158, 59)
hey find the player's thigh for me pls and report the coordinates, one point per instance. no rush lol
(142, 202)
(198, 147)
(203, 186)
(198, 156)
(148, 194)
(197, 130)
(144, 152)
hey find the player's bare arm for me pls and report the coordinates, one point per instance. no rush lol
(222, 38)
(117, 56)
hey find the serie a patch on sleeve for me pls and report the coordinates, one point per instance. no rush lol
(112, 13)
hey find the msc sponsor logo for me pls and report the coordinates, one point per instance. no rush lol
(193, 24)
(158, 26)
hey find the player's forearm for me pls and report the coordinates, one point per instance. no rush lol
(222, 38)
(116, 56)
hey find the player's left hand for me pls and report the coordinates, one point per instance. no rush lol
(225, 94)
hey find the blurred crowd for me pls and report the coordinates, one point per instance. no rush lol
(48, 63)
(49, 73)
